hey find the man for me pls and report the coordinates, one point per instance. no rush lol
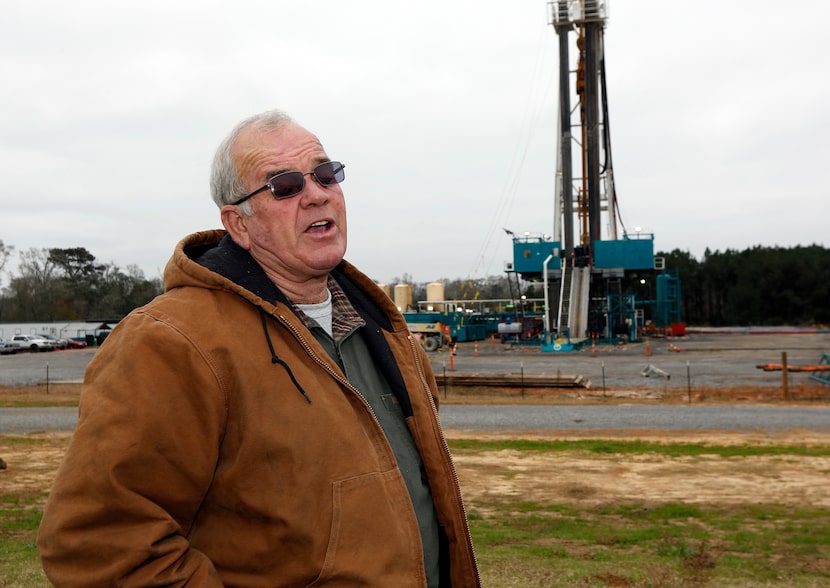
(268, 420)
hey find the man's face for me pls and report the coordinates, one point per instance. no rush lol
(296, 238)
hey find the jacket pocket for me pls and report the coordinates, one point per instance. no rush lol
(374, 537)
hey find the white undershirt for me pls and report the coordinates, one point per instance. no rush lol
(320, 312)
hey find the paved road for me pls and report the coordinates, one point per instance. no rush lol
(23, 421)
(767, 419)
(628, 417)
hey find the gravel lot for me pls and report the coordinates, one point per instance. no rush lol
(27, 368)
(699, 360)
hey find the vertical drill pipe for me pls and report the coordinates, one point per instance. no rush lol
(593, 48)
(563, 31)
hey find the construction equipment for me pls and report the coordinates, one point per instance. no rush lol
(431, 335)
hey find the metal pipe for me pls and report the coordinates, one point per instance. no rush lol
(547, 298)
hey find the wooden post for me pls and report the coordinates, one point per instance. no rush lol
(522, 364)
(603, 379)
(689, 380)
(784, 371)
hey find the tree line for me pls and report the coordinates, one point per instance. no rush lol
(763, 286)
(69, 284)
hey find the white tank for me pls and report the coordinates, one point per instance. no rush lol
(385, 288)
(435, 294)
(403, 297)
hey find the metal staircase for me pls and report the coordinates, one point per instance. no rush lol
(574, 291)
(563, 316)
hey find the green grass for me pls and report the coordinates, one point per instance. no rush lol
(628, 447)
(672, 544)
(638, 544)
(19, 520)
(522, 543)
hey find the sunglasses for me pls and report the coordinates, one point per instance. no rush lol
(288, 184)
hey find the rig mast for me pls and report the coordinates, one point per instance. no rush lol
(587, 266)
(586, 189)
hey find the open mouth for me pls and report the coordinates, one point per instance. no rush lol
(319, 227)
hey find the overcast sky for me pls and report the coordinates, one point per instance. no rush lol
(444, 112)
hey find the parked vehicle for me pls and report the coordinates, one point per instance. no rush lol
(74, 344)
(34, 342)
(59, 343)
(9, 347)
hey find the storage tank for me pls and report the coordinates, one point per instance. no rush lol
(385, 288)
(403, 297)
(435, 294)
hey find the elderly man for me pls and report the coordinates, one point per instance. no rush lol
(268, 420)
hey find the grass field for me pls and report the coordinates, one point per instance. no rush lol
(561, 541)
(574, 541)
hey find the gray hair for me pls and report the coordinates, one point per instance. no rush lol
(225, 184)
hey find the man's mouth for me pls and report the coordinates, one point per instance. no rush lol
(319, 226)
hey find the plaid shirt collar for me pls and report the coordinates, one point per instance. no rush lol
(344, 318)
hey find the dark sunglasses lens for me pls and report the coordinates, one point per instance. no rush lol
(330, 172)
(287, 184)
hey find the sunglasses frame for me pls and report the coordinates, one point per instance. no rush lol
(338, 169)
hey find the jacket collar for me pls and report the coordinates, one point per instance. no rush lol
(231, 261)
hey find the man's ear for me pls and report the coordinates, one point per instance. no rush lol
(236, 223)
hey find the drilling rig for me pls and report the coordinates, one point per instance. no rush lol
(598, 278)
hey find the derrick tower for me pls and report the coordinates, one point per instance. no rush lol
(585, 265)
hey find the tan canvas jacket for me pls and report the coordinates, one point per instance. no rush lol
(201, 460)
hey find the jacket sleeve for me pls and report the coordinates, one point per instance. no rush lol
(140, 461)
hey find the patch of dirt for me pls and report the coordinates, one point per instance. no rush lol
(40, 395)
(795, 395)
(564, 478)
(589, 478)
(31, 466)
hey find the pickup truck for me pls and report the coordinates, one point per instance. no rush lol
(33, 342)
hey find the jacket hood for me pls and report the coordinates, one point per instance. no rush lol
(210, 259)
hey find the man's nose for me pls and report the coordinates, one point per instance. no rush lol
(314, 193)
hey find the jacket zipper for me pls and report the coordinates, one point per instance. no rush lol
(446, 448)
(322, 363)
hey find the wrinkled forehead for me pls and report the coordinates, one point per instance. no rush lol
(260, 151)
